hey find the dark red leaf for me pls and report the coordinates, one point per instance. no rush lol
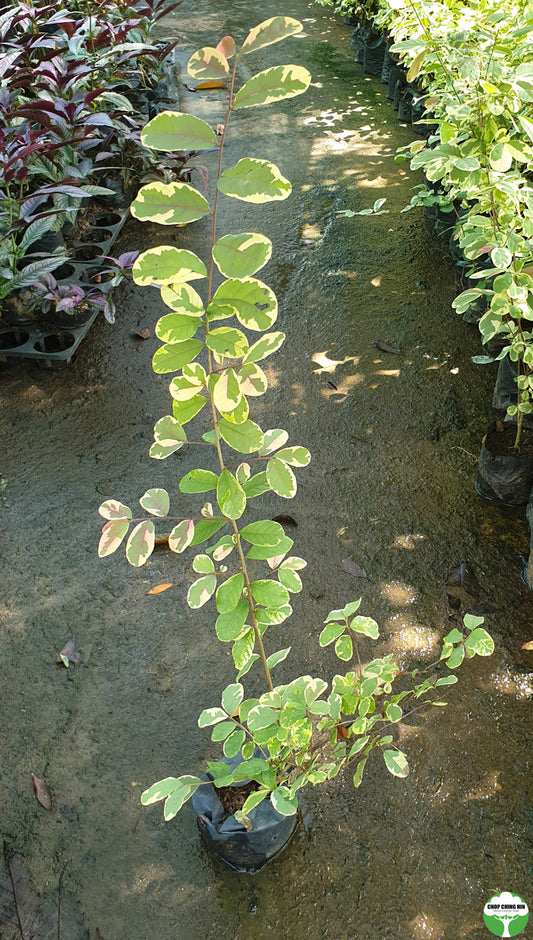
(42, 792)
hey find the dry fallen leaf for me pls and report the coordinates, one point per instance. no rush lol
(159, 588)
(206, 86)
(351, 567)
(42, 792)
(142, 334)
(69, 653)
(528, 645)
(220, 129)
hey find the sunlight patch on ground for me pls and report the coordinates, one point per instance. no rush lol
(398, 594)
(486, 788)
(408, 635)
(410, 541)
(426, 927)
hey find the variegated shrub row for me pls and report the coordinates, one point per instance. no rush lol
(214, 347)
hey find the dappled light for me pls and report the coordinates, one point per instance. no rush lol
(399, 594)
(409, 636)
(427, 927)
(409, 541)
(488, 787)
(519, 685)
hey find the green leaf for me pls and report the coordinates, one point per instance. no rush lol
(256, 485)
(281, 478)
(229, 593)
(231, 497)
(274, 84)
(174, 130)
(140, 544)
(173, 356)
(358, 775)
(253, 303)
(263, 532)
(501, 257)
(269, 31)
(269, 593)
(232, 697)
(273, 439)
(253, 180)
(201, 591)
(456, 657)
(275, 658)
(290, 579)
(242, 255)
(166, 265)
(185, 411)
(174, 328)
(169, 204)
(393, 712)
(446, 680)
(231, 626)
(283, 802)
(156, 501)
(252, 380)
(396, 763)
(344, 648)
(243, 653)
(262, 553)
(203, 564)
(204, 529)
(226, 341)
(181, 794)
(182, 299)
(471, 622)
(358, 746)
(264, 347)
(222, 730)
(244, 438)
(113, 510)
(181, 536)
(295, 456)
(198, 481)
(366, 626)
(169, 436)
(479, 643)
(208, 64)
(234, 743)
(255, 798)
(112, 536)
(211, 716)
(159, 791)
(331, 632)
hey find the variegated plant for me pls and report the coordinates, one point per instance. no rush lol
(303, 735)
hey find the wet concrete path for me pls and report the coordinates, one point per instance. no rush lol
(394, 441)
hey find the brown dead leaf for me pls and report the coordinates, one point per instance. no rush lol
(207, 86)
(142, 334)
(220, 130)
(342, 733)
(528, 645)
(42, 792)
(159, 588)
(351, 567)
(70, 653)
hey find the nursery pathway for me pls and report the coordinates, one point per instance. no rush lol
(386, 510)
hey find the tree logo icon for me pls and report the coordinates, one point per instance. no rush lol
(506, 915)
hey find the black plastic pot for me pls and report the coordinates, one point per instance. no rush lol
(503, 475)
(246, 851)
(358, 40)
(388, 63)
(374, 54)
(405, 110)
(396, 75)
(527, 573)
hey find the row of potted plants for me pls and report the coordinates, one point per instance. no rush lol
(472, 68)
(77, 82)
(305, 730)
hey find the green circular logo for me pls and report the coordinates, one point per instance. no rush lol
(506, 915)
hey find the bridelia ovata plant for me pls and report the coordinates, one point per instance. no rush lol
(297, 733)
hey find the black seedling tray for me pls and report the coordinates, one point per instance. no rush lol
(54, 346)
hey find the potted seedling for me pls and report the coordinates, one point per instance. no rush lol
(304, 731)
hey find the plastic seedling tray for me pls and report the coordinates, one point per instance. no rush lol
(54, 347)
